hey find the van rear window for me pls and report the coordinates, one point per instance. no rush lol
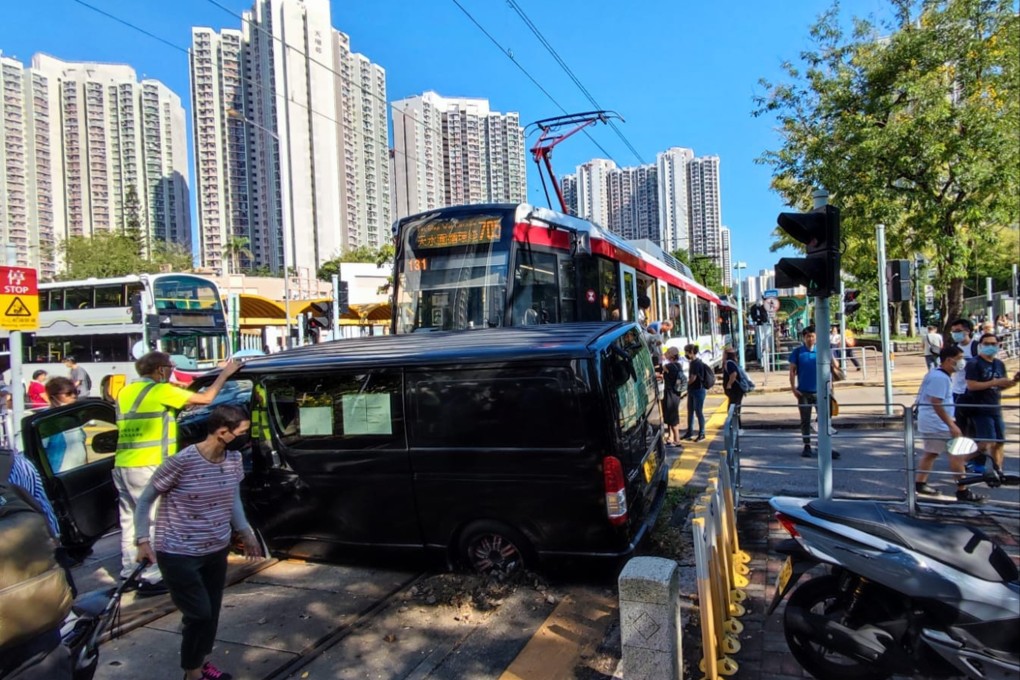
(516, 407)
(630, 378)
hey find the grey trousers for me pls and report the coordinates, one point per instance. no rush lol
(130, 482)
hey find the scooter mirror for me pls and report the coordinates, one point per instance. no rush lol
(961, 446)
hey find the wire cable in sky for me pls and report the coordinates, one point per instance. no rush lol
(559, 60)
(509, 55)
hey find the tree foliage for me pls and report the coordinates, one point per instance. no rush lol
(703, 267)
(912, 124)
(133, 219)
(380, 256)
(108, 254)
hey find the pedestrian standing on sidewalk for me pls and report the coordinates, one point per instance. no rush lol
(672, 388)
(936, 424)
(960, 331)
(698, 381)
(986, 378)
(731, 381)
(804, 385)
(200, 489)
(932, 343)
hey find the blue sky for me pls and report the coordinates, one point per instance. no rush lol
(680, 73)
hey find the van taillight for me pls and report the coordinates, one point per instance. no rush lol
(616, 490)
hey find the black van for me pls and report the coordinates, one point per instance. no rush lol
(489, 447)
(493, 446)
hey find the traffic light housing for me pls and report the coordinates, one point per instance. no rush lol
(321, 316)
(819, 231)
(343, 303)
(850, 303)
(898, 280)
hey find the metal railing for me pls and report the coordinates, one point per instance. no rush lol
(898, 431)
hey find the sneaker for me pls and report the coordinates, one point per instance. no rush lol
(835, 454)
(210, 672)
(925, 489)
(970, 496)
(146, 589)
(807, 453)
(687, 436)
(700, 437)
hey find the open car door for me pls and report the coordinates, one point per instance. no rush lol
(73, 448)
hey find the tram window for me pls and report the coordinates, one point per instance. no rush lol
(676, 312)
(609, 286)
(78, 298)
(109, 296)
(705, 317)
(568, 290)
(536, 300)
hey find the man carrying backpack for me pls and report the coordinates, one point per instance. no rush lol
(34, 593)
(736, 383)
(699, 382)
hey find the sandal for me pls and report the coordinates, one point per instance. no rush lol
(970, 496)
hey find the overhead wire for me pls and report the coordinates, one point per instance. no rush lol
(559, 60)
(509, 55)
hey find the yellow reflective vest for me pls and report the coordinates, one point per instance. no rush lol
(147, 423)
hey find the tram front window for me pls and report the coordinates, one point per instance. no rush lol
(455, 292)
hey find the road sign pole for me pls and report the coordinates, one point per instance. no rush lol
(883, 317)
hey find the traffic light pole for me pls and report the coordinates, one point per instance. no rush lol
(823, 367)
(883, 317)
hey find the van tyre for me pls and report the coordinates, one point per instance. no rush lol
(493, 548)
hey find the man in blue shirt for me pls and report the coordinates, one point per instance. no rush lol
(804, 385)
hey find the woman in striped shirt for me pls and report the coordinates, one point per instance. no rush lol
(201, 501)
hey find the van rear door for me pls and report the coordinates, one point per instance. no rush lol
(629, 379)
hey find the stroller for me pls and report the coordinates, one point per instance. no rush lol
(92, 615)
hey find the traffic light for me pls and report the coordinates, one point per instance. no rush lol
(850, 303)
(898, 279)
(344, 301)
(819, 231)
(321, 316)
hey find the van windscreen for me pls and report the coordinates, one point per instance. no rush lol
(630, 380)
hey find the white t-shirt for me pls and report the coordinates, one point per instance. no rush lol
(959, 379)
(936, 384)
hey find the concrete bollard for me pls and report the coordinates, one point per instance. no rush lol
(650, 619)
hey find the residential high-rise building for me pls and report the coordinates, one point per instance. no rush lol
(593, 190)
(568, 185)
(455, 151)
(727, 257)
(705, 207)
(87, 147)
(634, 203)
(291, 140)
(674, 198)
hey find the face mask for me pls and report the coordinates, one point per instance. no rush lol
(239, 442)
(961, 364)
(989, 350)
(958, 336)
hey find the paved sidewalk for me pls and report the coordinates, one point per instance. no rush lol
(764, 654)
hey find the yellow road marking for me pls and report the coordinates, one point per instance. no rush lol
(573, 629)
(683, 469)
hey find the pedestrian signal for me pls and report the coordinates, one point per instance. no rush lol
(850, 303)
(819, 231)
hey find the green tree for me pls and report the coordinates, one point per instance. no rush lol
(107, 254)
(133, 219)
(703, 267)
(912, 125)
(380, 256)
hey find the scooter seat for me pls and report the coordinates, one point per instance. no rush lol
(966, 548)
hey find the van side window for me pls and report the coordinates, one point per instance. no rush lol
(337, 410)
(628, 375)
(500, 408)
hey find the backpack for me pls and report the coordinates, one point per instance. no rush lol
(34, 593)
(744, 381)
(707, 376)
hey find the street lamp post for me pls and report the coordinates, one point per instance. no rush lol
(285, 227)
(740, 315)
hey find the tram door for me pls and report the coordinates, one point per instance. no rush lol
(662, 301)
(628, 292)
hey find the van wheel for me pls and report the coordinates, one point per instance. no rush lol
(492, 548)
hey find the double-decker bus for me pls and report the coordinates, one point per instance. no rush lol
(481, 266)
(105, 324)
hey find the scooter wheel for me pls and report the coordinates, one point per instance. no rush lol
(822, 596)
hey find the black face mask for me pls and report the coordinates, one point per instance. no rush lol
(239, 443)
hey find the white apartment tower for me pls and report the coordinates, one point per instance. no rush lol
(86, 147)
(705, 207)
(634, 203)
(455, 151)
(727, 257)
(674, 198)
(291, 140)
(568, 185)
(593, 190)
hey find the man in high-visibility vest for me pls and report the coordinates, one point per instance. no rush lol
(147, 435)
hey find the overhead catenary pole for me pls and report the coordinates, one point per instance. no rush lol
(883, 317)
(740, 316)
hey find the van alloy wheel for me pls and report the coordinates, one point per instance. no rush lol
(492, 548)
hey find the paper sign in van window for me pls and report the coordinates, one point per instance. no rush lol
(315, 421)
(367, 414)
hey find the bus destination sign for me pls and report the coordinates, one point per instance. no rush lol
(19, 299)
(469, 232)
